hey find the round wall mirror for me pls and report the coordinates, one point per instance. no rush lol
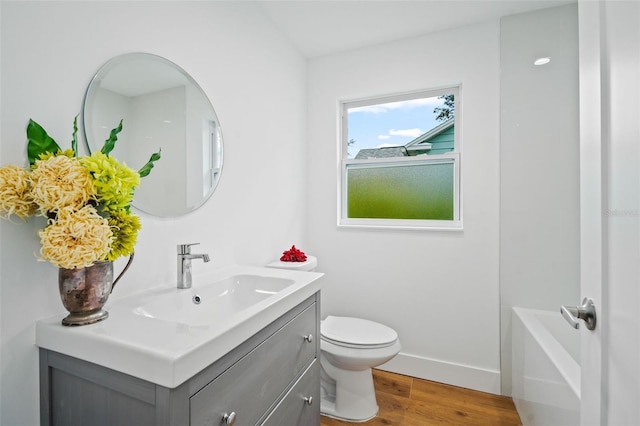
(162, 107)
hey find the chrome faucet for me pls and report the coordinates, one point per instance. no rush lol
(184, 264)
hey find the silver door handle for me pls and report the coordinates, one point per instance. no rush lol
(586, 312)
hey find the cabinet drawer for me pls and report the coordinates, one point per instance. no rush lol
(294, 410)
(251, 386)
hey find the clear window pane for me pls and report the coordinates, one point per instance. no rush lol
(421, 126)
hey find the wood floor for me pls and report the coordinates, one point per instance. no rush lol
(408, 401)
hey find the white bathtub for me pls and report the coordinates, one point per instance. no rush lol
(545, 368)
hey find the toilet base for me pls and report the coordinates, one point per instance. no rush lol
(328, 409)
(351, 397)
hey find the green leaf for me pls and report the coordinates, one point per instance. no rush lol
(146, 169)
(74, 137)
(110, 143)
(39, 142)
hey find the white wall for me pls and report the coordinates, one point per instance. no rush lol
(439, 290)
(256, 82)
(539, 167)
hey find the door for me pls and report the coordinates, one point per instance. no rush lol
(610, 213)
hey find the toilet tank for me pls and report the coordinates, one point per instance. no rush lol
(308, 265)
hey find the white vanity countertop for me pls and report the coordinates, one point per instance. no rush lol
(168, 352)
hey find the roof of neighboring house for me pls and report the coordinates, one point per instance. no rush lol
(386, 152)
(421, 142)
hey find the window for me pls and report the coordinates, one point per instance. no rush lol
(400, 162)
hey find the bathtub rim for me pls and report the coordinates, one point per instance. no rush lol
(568, 367)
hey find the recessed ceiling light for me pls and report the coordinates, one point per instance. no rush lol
(542, 61)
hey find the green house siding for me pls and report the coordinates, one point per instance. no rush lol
(442, 142)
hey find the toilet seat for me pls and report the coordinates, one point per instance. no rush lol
(356, 333)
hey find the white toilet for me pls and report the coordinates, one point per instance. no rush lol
(349, 349)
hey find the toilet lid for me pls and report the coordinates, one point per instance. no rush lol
(308, 265)
(356, 331)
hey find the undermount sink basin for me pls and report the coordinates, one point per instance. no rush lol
(213, 302)
(166, 335)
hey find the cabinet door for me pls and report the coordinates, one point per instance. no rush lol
(76, 392)
(253, 384)
(301, 406)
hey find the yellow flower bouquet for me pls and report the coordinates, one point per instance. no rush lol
(86, 200)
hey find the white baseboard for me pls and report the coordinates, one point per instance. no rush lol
(444, 372)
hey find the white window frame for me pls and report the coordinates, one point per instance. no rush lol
(455, 156)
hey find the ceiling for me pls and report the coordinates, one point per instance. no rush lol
(322, 27)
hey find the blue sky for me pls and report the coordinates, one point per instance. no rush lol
(391, 124)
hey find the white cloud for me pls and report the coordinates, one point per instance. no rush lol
(412, 133)
(383, 136)
(387, 145)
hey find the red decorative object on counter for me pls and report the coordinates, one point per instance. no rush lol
(293, 255)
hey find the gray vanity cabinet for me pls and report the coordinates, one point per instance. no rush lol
(272, 379)
(290, 411)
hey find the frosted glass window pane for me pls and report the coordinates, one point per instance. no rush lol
(421, 191)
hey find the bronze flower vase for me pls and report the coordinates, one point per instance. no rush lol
(84, 291)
